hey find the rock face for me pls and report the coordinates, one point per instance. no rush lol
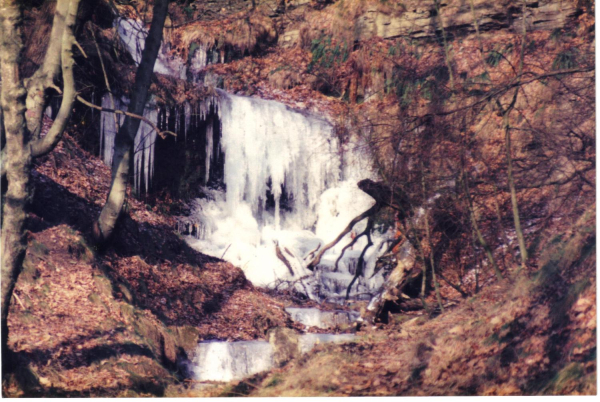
(420, 20)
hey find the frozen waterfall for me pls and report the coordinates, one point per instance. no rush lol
(289, 185)
(268, 148)
(287, 192)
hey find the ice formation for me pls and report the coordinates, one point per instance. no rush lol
(269, 147)
(143, 157)
(133, 35)
(288, 191)
(314, 317)
(227, 361)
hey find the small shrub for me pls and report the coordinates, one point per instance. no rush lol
(493, 58)
(565, 60)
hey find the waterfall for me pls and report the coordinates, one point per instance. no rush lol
(268, 147)
(290, 186)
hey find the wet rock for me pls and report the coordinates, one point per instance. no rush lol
(285, 342)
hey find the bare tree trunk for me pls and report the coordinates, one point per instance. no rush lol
(18, 159)
(42, 146)
(436, 284)
(482, 242)
(20, 149)
(508, 147)
(513, 192)
(124, 141)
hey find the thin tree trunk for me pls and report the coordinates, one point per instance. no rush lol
(486, 247)
(18, 160)
(436, 285)
(106, 81)
(124, 141)
(513, 193)
(446, 46)
(46, 74)
(508, 147)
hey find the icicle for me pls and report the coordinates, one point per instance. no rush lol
(108, 128)
(209, 150)
(187, 110)
(265, 140)
(137, 161)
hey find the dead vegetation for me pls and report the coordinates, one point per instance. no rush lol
(112, 322)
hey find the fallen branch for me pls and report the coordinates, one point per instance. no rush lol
(347, 246)
(281, 257)
(369, 212)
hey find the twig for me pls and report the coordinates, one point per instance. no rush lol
(361, 260)
(19, 300)
(80, 49)
(226, 250)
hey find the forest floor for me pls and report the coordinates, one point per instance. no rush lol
(114, 322)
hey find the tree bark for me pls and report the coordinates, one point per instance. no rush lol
(42, 146)
(46, 74)
(19, 150)
(18, 160)
(104, 227)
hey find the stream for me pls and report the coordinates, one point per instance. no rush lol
(224, 361)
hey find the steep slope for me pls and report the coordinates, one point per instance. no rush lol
(110, 322)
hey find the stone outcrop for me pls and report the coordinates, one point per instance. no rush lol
(420, 18)
(417, 19)
(286, 345)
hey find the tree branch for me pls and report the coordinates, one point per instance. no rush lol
(369, 212)
(163, 134)
(46, 74)
(46, 144)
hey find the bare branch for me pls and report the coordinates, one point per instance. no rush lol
(163, 134)
(371, 211)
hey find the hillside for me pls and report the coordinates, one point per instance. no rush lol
(473, 122)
